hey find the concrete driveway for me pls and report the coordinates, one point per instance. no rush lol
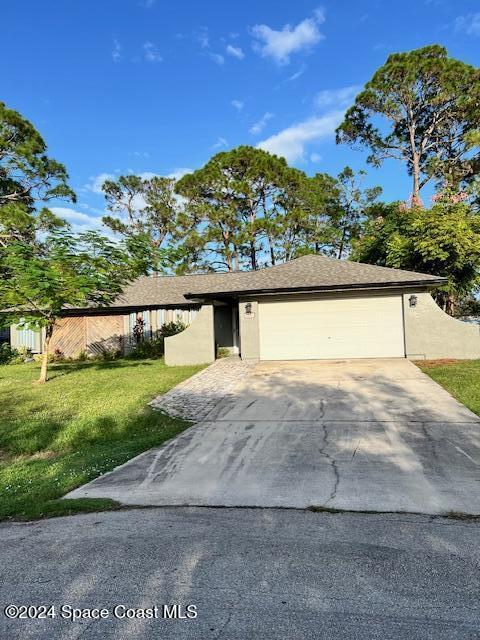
(357, 435)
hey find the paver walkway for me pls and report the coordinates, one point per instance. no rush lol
(194, 398)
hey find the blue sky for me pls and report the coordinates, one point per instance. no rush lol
(146, 86)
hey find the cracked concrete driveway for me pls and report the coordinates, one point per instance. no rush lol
(357, 435)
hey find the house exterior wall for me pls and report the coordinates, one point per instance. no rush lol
(96, 333)
(431, 334)
(249, 333)
(195, 345)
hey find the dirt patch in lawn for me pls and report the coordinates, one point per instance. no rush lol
(435, 363)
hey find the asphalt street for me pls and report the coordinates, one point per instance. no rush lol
(250, 573)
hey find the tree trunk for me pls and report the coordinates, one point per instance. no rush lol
(253, 255)
(235, 259)
(48, 336)
(450, 304)
(272, 251)
(342, 243)
(416, 181)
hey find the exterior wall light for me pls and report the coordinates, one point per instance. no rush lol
(248, 309)
(413, 301)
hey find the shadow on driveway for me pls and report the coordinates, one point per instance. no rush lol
(376, 435)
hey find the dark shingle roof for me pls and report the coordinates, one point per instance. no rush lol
(167, 290)
(314, 272)
(310, 272)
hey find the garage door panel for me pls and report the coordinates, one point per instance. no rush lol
(370, 327)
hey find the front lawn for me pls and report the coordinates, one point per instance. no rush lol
(89, 418)
(459, 377)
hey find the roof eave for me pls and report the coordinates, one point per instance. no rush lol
(429, 284)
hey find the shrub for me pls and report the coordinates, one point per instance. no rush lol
(172, 328)
(57, 356)
(21, 355)
(7, 353)
(148, 349)
(154, 348)
(107, 355)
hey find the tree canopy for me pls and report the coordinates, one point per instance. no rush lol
(44, 268)
(27, 174)
(44, 277)
(247, 208)
(423, 108)
(146, 210)
(443, 240)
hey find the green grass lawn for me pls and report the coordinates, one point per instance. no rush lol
(460, 377)
(89, 418)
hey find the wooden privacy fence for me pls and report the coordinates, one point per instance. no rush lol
(94, 334)
(98, 333)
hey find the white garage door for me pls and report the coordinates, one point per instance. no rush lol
(332, 328)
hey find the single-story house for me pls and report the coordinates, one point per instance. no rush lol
(313, 307)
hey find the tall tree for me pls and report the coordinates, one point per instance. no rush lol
(443, 240)
(28, 179)
(430, 104)
(353, 200)
(44, 276)
(145, 209)
(27, 174)
(227, 199)
(305, 216)
(210, 224)
(248, 208)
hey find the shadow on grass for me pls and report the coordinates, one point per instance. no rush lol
(57, 369)
(123, 363)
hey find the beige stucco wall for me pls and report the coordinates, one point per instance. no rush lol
(195, 345)
(430, 333)
(249, 334)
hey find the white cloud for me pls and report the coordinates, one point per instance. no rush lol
(336, 97)
(291, 142)
(217, 58)
(297, 74)
(237, 104)
(151, 52)
(178, 173)
(96, 182)
(279, 45)
(236, 52)
(79, 221)
(146, 175)
(203, 37)
(469, 24)
(315, 157)
(221, 142)
(259, 126)
(116, 51)
(148, 3)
